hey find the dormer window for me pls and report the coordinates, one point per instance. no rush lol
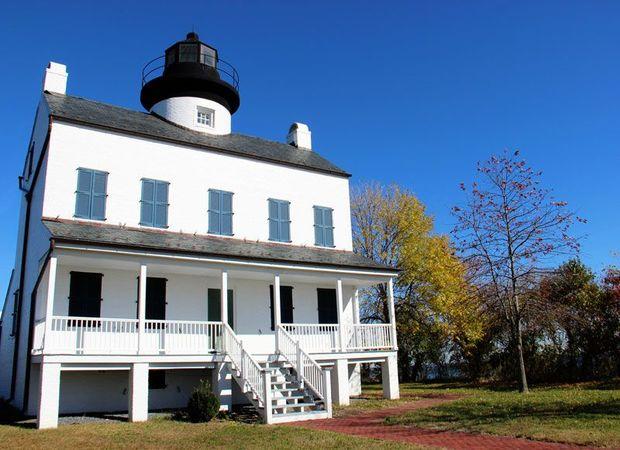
(204, 116)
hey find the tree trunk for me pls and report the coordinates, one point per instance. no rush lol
(523, 377)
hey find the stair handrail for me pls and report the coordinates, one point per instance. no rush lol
(249, 370)
(308, 370)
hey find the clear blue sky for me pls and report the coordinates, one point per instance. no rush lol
(413, 93)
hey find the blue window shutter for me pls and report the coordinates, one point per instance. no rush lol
(161, 204)
(220, 212)
(147, 203)
(226, 213)
(318, 226)
(83, 193)
(274, 219)
(99, 193)
(214, 212)
(285, 223)
(323, 226)
(328, 228)
(90, 195)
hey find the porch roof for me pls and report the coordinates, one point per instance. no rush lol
(71, 231)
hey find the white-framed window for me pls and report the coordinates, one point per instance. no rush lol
(205, 116)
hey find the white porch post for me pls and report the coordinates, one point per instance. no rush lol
(277, 319)
(224, 297)
(391, 311)
(356, 306)
(49, 301)
(139, 392)
(340, 382)
(389, 378)
(340, 312)
(49, 395)
(142, 308)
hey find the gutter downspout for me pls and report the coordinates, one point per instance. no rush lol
(33, 303)
(22, 273)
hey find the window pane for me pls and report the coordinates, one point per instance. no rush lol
(161, 215)
(84, 180)
(285, 233)
(273, 230)
(82, 205)
(99, 182)
(207, 56)
(214, 222)
(188, 53)
(148, 190)
(214, 200)
(161, 195)
(98, 211)
(226, 202)
(226, 223)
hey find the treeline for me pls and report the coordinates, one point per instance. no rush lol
(571, 331)
(486, 302)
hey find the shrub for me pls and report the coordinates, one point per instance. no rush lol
(203, 404)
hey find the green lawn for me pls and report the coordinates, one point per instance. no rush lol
(164, 433)
(587, 413)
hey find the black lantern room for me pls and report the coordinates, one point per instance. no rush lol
(190, 68)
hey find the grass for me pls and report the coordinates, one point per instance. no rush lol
(166, 433)
(586, 413)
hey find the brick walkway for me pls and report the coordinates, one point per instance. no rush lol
(371, 424)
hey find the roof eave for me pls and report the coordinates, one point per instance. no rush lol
(379, 271)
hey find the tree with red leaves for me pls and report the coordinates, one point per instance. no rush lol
(508, 231)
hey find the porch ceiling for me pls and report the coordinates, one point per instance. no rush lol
(93, 260)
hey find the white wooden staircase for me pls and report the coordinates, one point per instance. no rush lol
(289, 387)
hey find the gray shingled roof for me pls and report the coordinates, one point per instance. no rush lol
(112, 235)
(89, 112)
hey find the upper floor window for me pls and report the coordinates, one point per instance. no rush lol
(154, 203)
(279, 221)
(90, 195)
(220, 212)
(323, 226)
(204, 116)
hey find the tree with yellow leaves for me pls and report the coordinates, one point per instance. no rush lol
(433, 302)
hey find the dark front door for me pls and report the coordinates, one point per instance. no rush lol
(156, 298)
(85, 294)
(214, 306)
(286, 305)
(327, 305)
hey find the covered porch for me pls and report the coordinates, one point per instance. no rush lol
(154, 305)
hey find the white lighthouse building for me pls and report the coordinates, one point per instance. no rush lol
(159, 248)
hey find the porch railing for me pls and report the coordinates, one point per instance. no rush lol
(326, 338)
(100, 336)
(247, 367)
